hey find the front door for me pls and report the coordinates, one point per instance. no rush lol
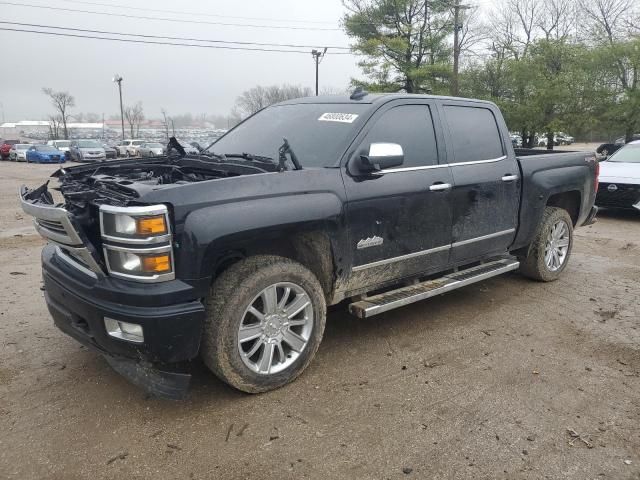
(486, 178)
(399, 220)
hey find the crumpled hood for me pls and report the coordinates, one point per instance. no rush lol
(618, 172)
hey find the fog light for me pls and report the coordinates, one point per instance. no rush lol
(131, 332)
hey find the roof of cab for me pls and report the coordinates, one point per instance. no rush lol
(375, 98)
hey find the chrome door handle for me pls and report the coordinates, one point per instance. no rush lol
(438, 187)
(509, 178)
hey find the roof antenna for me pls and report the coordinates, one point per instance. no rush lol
(358, 94)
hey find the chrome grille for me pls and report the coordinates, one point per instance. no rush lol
(55, 225)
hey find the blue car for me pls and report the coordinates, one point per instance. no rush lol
(44, 154)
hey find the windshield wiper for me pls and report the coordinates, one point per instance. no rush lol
(284, 149)
(249, 156)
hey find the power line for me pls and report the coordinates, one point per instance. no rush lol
(201, 14)
(185, 39)
(149, 42)
(167, 19)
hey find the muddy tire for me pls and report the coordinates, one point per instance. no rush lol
(549, 253)
(265, 320)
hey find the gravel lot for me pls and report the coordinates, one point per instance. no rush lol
(480, 383)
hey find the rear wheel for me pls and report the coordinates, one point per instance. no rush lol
(265, 320)
(549, 253)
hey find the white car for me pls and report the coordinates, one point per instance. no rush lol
(62, 145)
(129, 148)
(18, 152)
(151, 149)
(620, 178)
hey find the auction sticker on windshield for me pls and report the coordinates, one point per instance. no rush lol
(338, 117)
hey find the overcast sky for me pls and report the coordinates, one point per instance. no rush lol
(180, 79)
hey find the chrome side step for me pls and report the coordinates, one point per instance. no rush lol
(383, 302)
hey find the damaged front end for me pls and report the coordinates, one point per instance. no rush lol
(109, 269)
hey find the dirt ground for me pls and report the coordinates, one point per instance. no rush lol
(480, 383)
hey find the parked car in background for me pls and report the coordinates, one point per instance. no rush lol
(129, 148)
(564, 138)
(62, 145)
(45, 154)
(607, 149)
(516, 140)
(620, 178)
(5, 148)
(86, 151)
(110, 152)
(18, 152)
(151, 149)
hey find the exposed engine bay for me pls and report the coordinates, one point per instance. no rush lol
(118, 183)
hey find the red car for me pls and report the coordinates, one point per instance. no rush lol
(5, 147)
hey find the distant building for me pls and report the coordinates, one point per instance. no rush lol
(40, 129)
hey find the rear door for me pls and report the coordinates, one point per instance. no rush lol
(399, 220)
(486, 191)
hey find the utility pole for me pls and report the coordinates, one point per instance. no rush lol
(457, 26)
(118, 79)
(318, 56)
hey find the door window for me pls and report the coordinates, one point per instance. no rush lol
(474, 133)
(410, 126)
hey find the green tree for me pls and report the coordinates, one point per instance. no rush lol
(404, 43)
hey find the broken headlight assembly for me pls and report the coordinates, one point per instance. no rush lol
(137, 242)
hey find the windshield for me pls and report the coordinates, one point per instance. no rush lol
(627, 154)
(316, 132)
(137, 142)
(62, 143)
(88, 144)
(153, 145)
(47, 148)
(22, 146)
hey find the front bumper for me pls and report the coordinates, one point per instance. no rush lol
(171, 319)
(618, 195)
(170, 316)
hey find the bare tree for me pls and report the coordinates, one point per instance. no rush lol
(165, 123)
(257, 98)
(557, 18)
(134, 117)
(63, 102)
(526, 11)
(473, 32)
(608, 19)
(54, 126)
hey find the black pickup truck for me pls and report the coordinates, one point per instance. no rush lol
(233, 255)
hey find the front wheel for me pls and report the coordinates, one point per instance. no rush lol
(548, 254)
(265, 320)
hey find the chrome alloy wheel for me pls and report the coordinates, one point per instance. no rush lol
(557, 246)
(275, 328)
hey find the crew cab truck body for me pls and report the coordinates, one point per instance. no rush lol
(234, 255)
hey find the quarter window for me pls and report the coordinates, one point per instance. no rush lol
(474, 133)
(410, 126)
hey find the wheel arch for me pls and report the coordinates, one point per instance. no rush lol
(310, 247)
(569, 201)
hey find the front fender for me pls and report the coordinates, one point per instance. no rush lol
(213, 231)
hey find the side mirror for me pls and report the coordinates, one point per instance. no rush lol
(381, 156)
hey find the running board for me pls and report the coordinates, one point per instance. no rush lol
(383, 302)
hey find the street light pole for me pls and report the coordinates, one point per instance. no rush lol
(317, 56)
(118, 79)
